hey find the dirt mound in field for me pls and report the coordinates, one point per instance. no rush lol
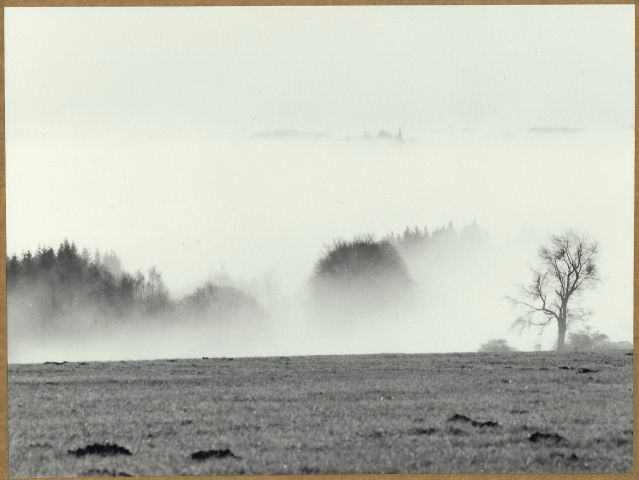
(545, 437)
(488, 423)
(105, 473)
(459, 418)
(107, 449)
(206, 454)
(463, 418)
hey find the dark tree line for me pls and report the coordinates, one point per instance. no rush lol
(417, 240)
(56, 283)
(51, 285)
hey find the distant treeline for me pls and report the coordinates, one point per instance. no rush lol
(418, 239)
(55, 285)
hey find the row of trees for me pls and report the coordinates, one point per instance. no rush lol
(53, 283)
(53, 286)
(567, 268)
(418, 239)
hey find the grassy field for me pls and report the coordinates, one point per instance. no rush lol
(334, 414)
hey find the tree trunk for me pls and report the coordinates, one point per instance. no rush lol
(561, 334)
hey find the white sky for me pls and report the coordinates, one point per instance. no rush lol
(130, 129)
(342, 69)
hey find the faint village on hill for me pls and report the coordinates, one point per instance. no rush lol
(292, 134)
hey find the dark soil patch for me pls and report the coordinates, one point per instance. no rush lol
(107, 449)
(545, 437)
(460, 418)
(586, 370)
(215, 453)
(463, 418)
(105, 473)
(518, 412)
(566, 368)
(56, 363)
(489, 423)
(422, 431)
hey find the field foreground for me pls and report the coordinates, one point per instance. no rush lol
(524, 412)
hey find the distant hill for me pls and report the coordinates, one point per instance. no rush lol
(554, 130)
(292, 134)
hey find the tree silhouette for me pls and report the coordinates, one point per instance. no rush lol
(361, 270)
(54, 284)
(568, 266)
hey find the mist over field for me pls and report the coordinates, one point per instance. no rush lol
(259, 213)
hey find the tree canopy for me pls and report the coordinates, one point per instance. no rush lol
(65, 288)
(362, 269)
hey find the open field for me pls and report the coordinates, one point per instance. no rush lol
(334, 414)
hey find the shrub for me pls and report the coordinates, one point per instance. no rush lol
(593, 341)
(496, 345)
(211, 299)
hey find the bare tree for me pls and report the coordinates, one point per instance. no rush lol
(568, 266)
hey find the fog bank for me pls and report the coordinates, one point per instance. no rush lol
(261, 213)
